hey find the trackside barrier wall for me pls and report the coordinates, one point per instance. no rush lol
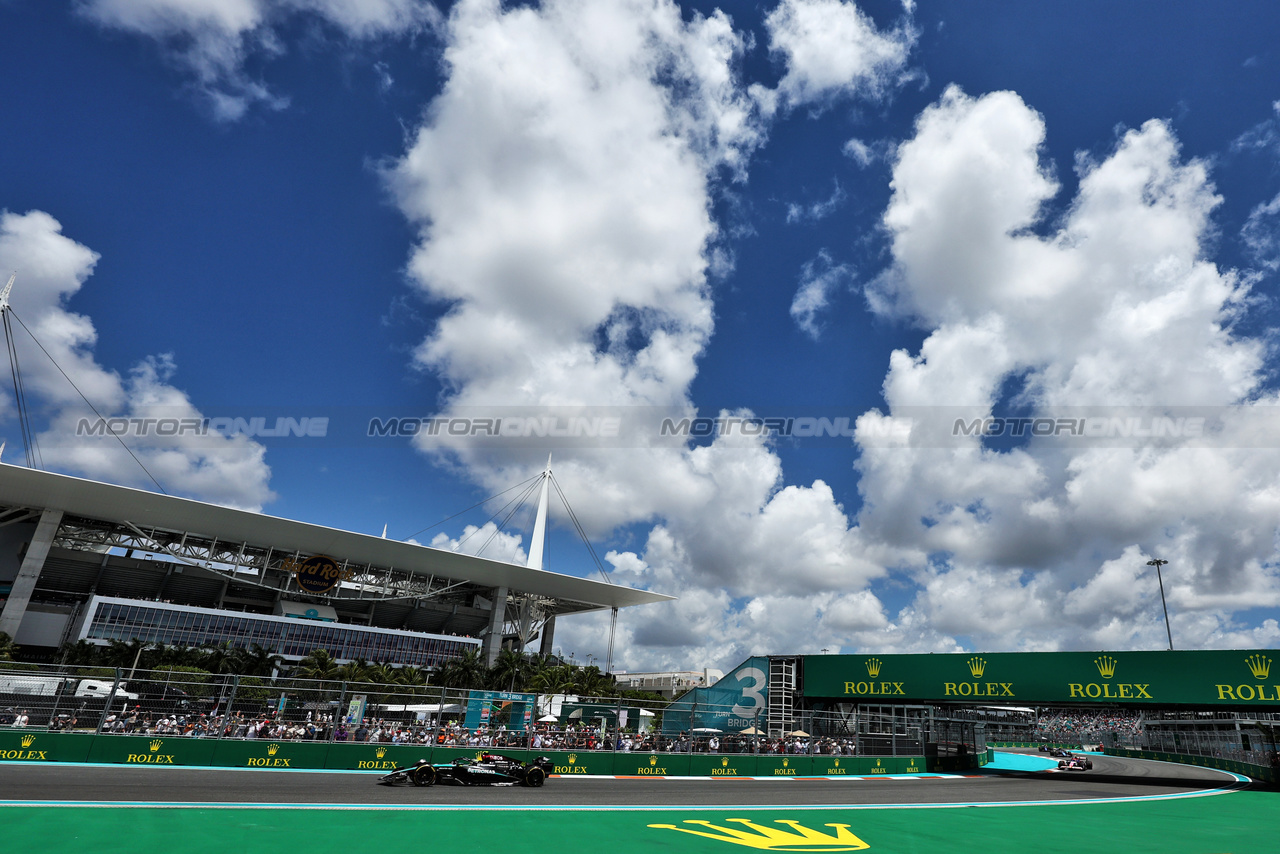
(1037, 744)
(1257, 772)
(29, 746)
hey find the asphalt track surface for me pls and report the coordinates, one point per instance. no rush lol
(1111, 778)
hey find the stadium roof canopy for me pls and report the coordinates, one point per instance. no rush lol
(248, 558)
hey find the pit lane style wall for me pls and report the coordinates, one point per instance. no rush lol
(40, 746)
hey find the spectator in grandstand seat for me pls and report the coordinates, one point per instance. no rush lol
(21, 719)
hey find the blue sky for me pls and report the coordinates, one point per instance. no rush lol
(892, 213)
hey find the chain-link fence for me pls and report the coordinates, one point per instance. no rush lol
(183, 702)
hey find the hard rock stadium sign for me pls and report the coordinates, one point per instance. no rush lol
(1166, 678)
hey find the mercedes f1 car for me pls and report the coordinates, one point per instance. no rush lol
(1075, 763)
(489, 769)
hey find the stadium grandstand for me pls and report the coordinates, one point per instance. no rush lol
(83, 560)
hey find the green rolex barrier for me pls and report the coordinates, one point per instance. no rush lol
(18, 745)
(569, 763)
(769, 765)
(652, 764)
(151, 750)
(376, 757)
(265, 753)
(729, 765)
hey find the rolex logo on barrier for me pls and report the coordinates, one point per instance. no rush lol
(724, 763)
(873, 667)
(977, 666)
(1106, 666)
(653, 760)
(26, 740)
(270, 760)
(1259, 666)
(152, 757)
(573, 758)
(798, 838)
(380, 752)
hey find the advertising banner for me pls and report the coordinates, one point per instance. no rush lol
(651, 764)
(268, 753)
(375, 757)
(1213, 677)
(772, 765)
(152, 750)
(512, 710)
(738, 701)
(17, 745)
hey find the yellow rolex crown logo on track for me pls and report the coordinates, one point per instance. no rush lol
(1106, 666)
(798, 838)
(1259, 666)
(977, 666)
(28, 740)
(156, 745)
(573, 758)
(653, 760)
(380, 752)
(873, 667)
(273, 749)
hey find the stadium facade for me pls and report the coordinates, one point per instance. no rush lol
(84, 560)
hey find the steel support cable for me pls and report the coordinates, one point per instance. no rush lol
(472, 507)
(82, 397)
(515, 504)
(581, 531)
(20, 396)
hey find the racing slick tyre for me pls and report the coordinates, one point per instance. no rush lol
(424, 776)
(535, 777)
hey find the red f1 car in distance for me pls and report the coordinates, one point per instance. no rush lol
(487, 770)
(1075, 763)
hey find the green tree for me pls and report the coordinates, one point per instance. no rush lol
(509, 673)
(7, 647)
(466, 671)
(256, 661)
(317, 664)
(80, 654)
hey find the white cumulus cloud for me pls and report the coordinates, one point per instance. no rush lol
(51, 268)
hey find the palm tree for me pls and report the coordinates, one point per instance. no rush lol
(81, 653)
(509, 672)
(352, 671)
(317, 664)
(7, 647)
(220, 658)
(542, 673)
(382, 673)
(465, 671)
(256, 661)
(592, 683)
